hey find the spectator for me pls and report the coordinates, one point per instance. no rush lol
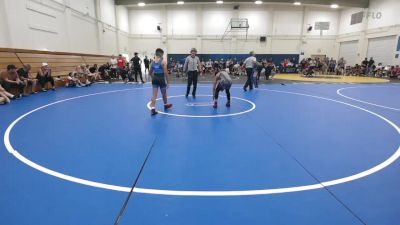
(396, 72)
(341, 65)
(324, 67)
(209, 66)
(84, 73)
(5, 96)
(10, 79)
(371, 62)
(104, 72)
(73, 80)
(137, 67)
(332, 66)
(94, 73)
(26, 76)
(269, 69)
(121, 63)
(113, 67)
(146, 64)
(44, 77)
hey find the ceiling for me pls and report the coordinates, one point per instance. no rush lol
(346, 3)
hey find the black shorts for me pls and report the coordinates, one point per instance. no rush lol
(159, 82)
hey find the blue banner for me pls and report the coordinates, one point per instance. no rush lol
(276, 58)
(398, 45)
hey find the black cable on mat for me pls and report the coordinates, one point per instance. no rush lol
(311, 174)
(121, 212)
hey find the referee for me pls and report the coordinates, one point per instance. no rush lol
(192, 68)
(250, 63)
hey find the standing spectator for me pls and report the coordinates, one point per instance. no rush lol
(364, 66)
(192, 68)
(365, 62)
(44, 77)
(137, 67)
(371, 62)
(10, 79)
(332, 66)
(269, 69)
(146, 65)
(249, 63)
(395, 72)
(202, 68)
(324, 67)
(121, 63)
(113, 67)
(25, 75)
(341, 65)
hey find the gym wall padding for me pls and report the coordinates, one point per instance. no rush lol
(276, 58)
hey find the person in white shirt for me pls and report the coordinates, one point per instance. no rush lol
(208, 66)
(192, 68)
(113, 67)
(250, 63)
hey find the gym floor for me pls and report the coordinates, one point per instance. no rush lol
(282, 154)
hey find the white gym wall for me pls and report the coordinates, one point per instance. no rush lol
(63, 25)
(98, 26)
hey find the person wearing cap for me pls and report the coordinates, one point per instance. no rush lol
(192, 68)
(44, 77)
(10, 79)
(24, 74)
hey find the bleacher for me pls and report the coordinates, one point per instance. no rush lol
(61, 63)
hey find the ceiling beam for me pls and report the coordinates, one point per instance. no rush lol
(346, 3)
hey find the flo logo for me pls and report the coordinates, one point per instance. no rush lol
(373, 15)
(358, 17)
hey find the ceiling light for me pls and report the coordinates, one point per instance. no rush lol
(334, 6)
(220, 2)
(141, 4)
(181, 2)
(297, 3)
(258, 2)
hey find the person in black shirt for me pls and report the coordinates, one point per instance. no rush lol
(25, 75)
(10, 79)
(371, 63)
(146, 64)
(137, 67)
(104, 72)
(365, 62)
(44, 77)
(93, 69)
(94, 73)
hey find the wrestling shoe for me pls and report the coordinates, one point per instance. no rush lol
(154, 112)
(167, 106)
